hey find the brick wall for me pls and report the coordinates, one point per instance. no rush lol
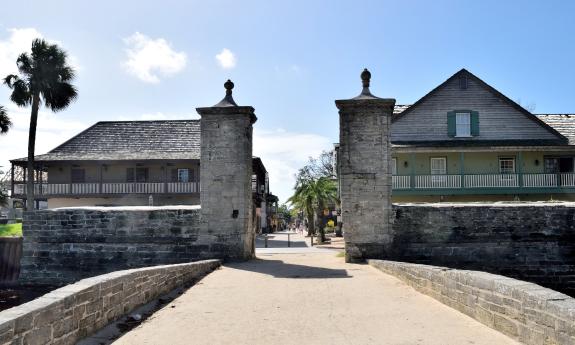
(73, 312)
(64, 245)
(526, 312)
(533, 241)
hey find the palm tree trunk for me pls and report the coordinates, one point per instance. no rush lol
(320, 226)
(310, 225)
(31, 147)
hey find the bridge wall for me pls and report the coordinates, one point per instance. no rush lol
(532, 241)
(73, 312)
(524, 311)
(64, 245)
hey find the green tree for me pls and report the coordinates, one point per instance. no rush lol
(45, 77)
(313, 196)
(5, 122)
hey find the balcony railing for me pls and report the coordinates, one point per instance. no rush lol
(485, 181)
(63, 189)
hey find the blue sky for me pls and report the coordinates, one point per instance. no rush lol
(289, 59)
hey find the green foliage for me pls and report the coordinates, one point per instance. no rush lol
(7, 230)
(44, 77)
(285, 212)
(5, 122)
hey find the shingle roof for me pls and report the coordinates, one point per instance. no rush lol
(131, 140)
(563, 123)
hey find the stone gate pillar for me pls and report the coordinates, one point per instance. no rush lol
(365, 173)
(226, 177)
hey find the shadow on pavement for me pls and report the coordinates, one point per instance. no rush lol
(280, 269)
(279, 242)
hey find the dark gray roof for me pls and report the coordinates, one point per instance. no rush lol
(563, 123)
(131, 140)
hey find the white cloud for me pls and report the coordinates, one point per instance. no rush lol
(284, 153)
(20, 41)
(52, 131)
(149, 59)
(160, 116)
(226, 59)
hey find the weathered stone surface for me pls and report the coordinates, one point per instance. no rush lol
(364, 169)
(226, 178)
(100, 240)
(66, 315)
(533, 242)
(527, 312)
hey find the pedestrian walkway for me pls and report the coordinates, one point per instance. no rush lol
(277, 243)
(307, 298)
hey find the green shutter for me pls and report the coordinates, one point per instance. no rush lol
(474, 123)
(451, 123)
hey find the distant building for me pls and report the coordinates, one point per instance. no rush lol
(118, 163)
(466, 141)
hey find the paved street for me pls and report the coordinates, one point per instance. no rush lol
(307, 296)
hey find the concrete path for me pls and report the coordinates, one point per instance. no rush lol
(307, 298)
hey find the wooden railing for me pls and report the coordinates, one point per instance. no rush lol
(471, 181)
(53, 189)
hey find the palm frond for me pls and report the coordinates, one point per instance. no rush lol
(5, 122)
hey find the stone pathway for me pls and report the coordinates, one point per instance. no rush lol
(311, 297)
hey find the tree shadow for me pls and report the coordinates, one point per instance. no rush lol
(280, 269)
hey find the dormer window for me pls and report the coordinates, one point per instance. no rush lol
(462, 124)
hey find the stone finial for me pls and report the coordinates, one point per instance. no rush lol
(365, 80)
(228, 100)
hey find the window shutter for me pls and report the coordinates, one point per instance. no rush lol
(174, 175)
(474, 123)
(451, 123)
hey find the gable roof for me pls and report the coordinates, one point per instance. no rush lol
(464, 72)
(130, 140)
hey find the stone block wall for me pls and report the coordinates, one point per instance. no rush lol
(64, 245)
(523, 311)
(531, 241)
(73, 312)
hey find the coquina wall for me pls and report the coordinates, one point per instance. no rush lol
(64, 245)
(532, 241)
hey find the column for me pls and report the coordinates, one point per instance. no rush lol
(365, 173)
(226, 175)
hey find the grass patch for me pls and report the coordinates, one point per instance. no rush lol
(340, 255)
(8, 230)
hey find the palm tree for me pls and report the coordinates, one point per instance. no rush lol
(44, 78)
(5, 122)
(313, 196)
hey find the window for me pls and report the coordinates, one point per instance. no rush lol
(183, 175)
(507, 165)
(438, 166)
(462, 125)
(137, 175)
(78, 175)
(394, 166)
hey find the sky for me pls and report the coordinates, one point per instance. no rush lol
(145, 60)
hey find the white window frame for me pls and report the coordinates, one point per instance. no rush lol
(438, 175)
(394, 166)
(183, 172)
(463, 125)
(507, 170)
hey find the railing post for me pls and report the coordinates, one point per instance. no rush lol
(462, 169)
(412, 170)
(520, 168)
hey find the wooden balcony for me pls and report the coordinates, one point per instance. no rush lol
(116, 188)
(483, 184)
